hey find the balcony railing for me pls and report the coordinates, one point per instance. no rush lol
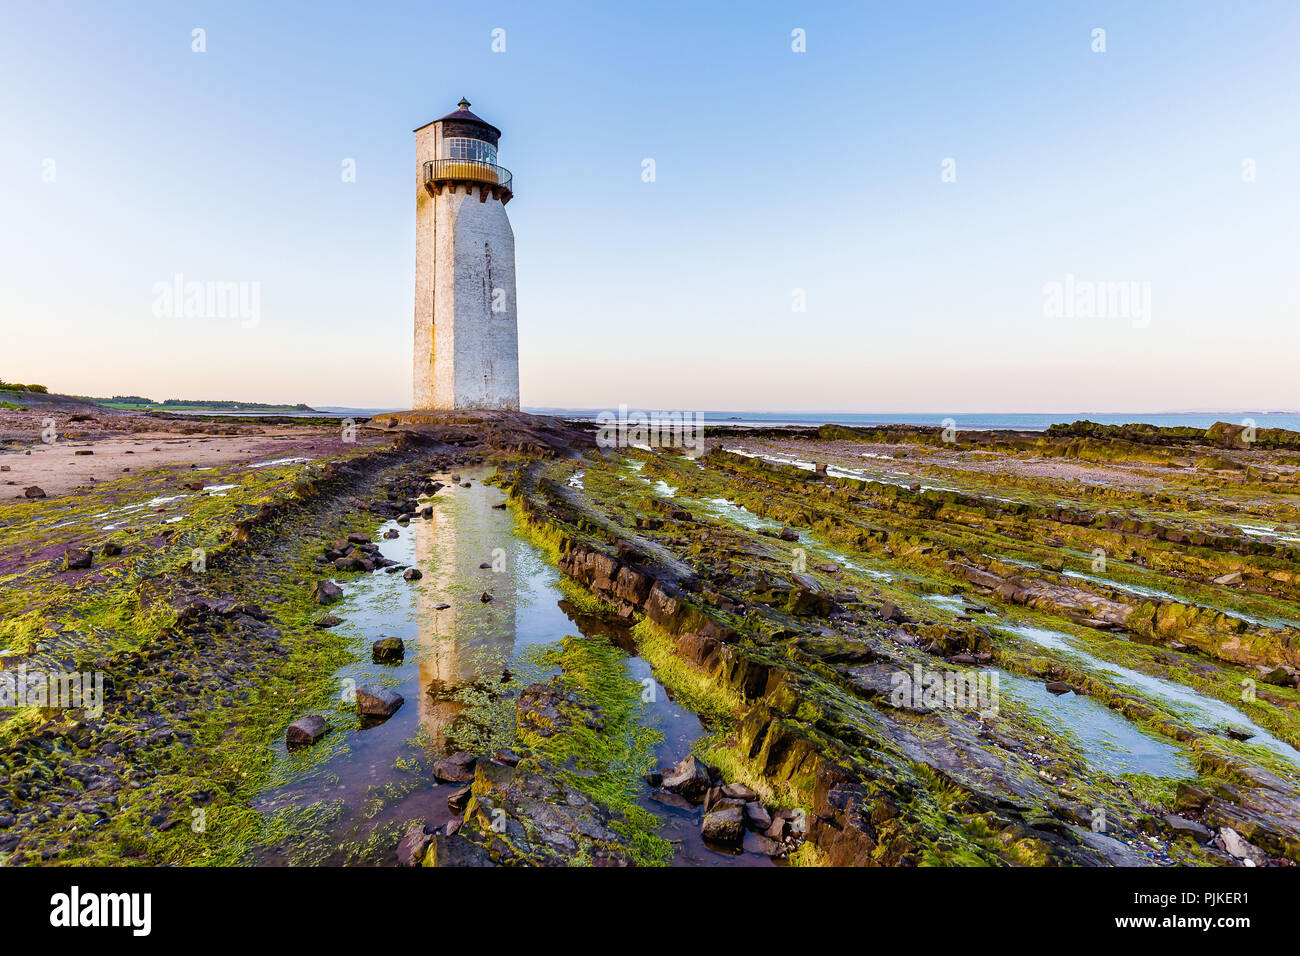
(439, 171)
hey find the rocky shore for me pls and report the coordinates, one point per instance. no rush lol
(1122, 605)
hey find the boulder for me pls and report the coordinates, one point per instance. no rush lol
(306, 730)
(34, 492)
(376, 701)
(387, 650)
(412, 574)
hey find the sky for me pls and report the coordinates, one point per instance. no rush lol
(925, 209)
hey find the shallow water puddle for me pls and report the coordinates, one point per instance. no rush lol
(475, 656)
(1107, 740)
(1184, 699)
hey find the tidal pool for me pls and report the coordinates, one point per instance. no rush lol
(464, 666)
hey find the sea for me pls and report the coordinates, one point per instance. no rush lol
(1012, 421)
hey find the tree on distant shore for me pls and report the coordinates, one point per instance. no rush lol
(15, 387)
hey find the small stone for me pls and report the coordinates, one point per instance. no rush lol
(1233, 577)
(412, 574)
(654, 778)
(757, 817)
(376, 701)
(788, 534)
(329, 620)
(306, 730)
(458, 799)
(441, 607)
(359, 538)
(486, 597)
(414, 845)
(690, 778)
(1186, 827)
(392, 533)
(724, 826)
(83, 451)
(485, 565)
(1058, 687)
(1235, 845)
(76, 559)
(739, 791)
(449, 850)
(458, 768)
(111, 549)
(34, 492)
(387, 650)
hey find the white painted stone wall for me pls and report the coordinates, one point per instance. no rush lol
(466, 354)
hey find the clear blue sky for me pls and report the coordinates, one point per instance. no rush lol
(776, 171)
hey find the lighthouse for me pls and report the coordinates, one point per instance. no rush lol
(466, 324)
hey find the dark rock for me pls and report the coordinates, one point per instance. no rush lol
(891, 612)
(412, 574)
(376, 701)
(458, 768)
(458, 799)
(690, 778)
(392, 533)
(486, 597)
(111, 549)
(329, 620)
(76, 559)
(34, 492)
(387, 650)
(1186, 827)
(788, 534)
(455, 850)
(724, 825)
(757, 817)
(327, 592)
(411, 851)
(654, 778)
(306, 730)
(1058, 687)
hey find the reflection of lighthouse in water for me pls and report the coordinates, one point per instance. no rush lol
(470, 642)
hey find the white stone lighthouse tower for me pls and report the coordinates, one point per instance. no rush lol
(466, 326)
